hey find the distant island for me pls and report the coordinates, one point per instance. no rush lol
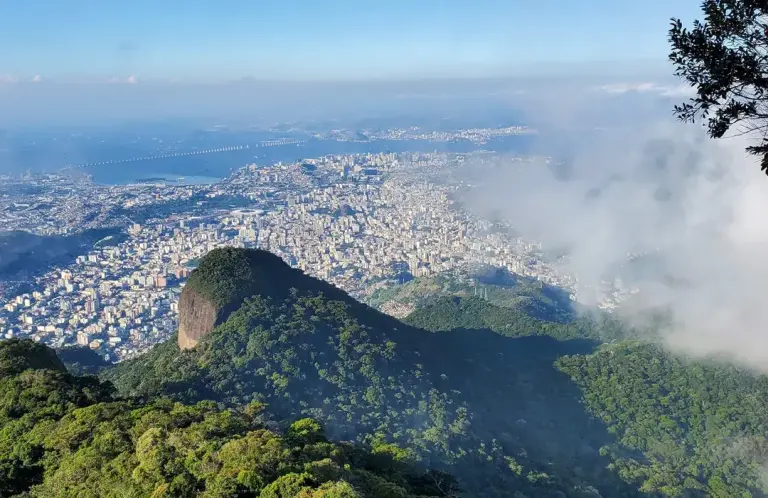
(152, 179)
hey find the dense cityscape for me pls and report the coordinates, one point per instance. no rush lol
(358, 221)
(474, 135)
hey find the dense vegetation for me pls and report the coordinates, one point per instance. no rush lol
(683, 428)
(81, 360)
(68, 436)
(492, 410)
(495, 285)
(509, 404)
(226, 276)
(447, 313)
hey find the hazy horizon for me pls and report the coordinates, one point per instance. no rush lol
(300, 60)
(53, 102)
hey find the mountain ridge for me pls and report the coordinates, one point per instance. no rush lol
(507, 403)
(226, 276)
(63, 435)
(310, 350)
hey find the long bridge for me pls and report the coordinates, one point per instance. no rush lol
(267, 143)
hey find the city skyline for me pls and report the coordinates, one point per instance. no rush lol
(349, 219)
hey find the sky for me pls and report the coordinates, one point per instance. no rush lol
(306, 40)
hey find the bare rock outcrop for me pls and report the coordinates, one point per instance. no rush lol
(197, 317)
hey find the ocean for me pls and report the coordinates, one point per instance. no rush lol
(205, 168)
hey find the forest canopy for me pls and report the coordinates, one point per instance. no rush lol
(69, 436)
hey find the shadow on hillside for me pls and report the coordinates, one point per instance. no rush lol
(548, 302)
(507, 379)
(24, 255)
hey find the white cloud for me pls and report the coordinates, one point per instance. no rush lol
(648, 87)
(37, 78)
(699, 204)
(678, 91)
(7, 79)
(627, 87)
(130, 80)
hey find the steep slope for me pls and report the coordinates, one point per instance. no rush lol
(491, 408)
(17, 356)
(447, 313)
(684, 428)
(496, 285)
(35, 391)
(81, 360)
(490, 395)
(221, 282)
(67, 436)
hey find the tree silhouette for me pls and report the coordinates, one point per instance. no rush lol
(725, 59)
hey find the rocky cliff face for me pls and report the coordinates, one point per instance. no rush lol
(197, 317)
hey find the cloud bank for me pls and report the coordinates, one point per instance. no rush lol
(694, 207)
(648, 87)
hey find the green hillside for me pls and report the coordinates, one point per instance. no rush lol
(475, 313)
(508, 403)
(68, 436)
(497, 286)
(81, 360)
(683, 428)
(490, 409)
(431, 393)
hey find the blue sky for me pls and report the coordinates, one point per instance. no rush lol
(226, 40)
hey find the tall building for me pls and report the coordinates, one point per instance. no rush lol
(82, 339)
